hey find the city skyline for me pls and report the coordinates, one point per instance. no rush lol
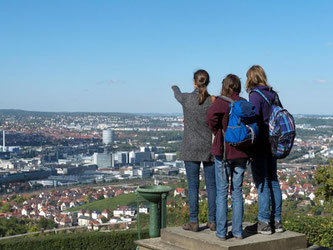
(123, 57)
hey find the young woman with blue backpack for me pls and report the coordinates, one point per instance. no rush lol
(230, 119)
(275, 139)
(196, 146)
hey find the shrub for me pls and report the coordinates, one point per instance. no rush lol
(318, 230)
(117, 240)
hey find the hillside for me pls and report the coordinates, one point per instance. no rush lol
(109, 203)
(20, 112)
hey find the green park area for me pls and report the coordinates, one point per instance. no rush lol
(109, 203)
(121, 200)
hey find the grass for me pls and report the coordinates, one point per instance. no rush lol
(112, 203)
(109, 203)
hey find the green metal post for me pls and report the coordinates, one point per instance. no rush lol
(154, 220)
(157, 196)
(163, 210)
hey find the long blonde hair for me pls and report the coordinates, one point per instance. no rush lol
(255, 76)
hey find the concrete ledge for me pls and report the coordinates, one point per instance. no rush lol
(207, 239)
(156, 244)
(177, 238)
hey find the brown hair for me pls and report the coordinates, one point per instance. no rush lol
(201, 79)
(255, 76)
(231, 84)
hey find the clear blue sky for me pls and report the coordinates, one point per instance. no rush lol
(123, 56)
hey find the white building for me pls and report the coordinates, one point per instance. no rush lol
(144, 173)
(108, 136)
(121, 157)
(143, 210)
(103, 160)
(170, 156)
(84, 221)
(95, 214)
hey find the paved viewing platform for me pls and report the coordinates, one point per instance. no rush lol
(176, 238)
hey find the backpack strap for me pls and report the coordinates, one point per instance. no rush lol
(227, 99)
(262, 95)
(276, 100)
(224, 146)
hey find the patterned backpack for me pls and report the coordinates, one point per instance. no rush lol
(281, 128)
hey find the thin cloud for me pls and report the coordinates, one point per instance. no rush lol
(329, 44)
(109, 82)
(321, 81)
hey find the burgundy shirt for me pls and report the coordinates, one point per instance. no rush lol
(217, 119)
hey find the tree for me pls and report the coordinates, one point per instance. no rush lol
(12, 226)
(87, 198)
(104, 220)
(19, 199)
(13, 197)
(45, 223)
(302, 182)
(183, 183)
(34, 228)
(283, 177)
(10, 232)
(324, 189)
(203, 211)
(291, 180)
(251, 212)
(6, 208)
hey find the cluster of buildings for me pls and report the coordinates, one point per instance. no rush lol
(83, 169)
(294, 183)
(317, 141)
(84, 125)
(70, 165)
(54, 205)
(320, 147)
(85, 161)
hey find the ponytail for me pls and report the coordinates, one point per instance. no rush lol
(203, 94)
(201, 78)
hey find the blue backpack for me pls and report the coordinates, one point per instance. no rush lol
(242, 127)
(281, 127)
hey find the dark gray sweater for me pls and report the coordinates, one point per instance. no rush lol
(197, 140)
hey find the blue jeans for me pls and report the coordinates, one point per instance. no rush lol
(264, 172)
(192, 174)
(235, 170)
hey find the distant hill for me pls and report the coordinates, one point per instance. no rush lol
(311, 116)
(20, 112)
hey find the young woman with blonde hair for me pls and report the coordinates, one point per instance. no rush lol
(264, 166)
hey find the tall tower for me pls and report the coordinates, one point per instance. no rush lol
(4, 141)
(108, 136)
